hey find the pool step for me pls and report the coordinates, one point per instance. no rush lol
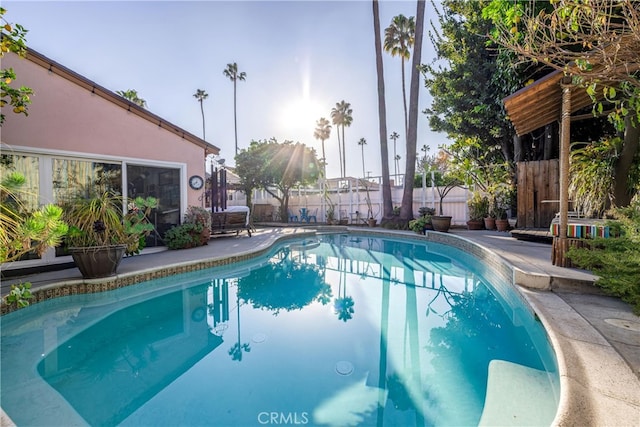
(516, 396)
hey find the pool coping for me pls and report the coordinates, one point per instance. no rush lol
(597, 386)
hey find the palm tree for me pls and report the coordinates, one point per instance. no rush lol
(362, 143)
(395, 136)
(132, 95)
(336, 118)
(387, 205)
(201, 95)
(232, 72)
(406, 208)
(399, 37)
(397, 158)
(322, 132)
(341, 116)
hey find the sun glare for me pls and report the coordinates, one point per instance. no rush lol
(300, 116)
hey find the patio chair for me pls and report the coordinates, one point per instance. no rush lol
(292, 217)
(313, 216)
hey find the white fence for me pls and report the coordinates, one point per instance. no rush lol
(349, 197)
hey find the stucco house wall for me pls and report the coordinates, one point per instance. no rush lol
(73, 117)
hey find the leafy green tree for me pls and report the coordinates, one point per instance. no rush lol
(132, 95)
(399, 38)
(598, 45)
(277, 168)
(12, 40)
(322, 132)
(342, 116)
(468, 83)
(200, 96)
(232, 73)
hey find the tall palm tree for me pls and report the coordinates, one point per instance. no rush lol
(336, 119)
(406, 208)
(362, 143)
(200, 96)
(397, 158)
(399, 38)
(395, 136)
(132, 95)
(387, 204)
(342, 116)
(322, 132)
(232, 72)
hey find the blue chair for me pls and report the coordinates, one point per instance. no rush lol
(303, 214)
(292, 217)
(312, 216)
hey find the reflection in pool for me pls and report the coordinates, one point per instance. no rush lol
(336, 330)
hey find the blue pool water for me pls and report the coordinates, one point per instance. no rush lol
(335, 330)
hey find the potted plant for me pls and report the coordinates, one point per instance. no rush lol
(331, 214)
(201, 217)
(99, 234)
(370, 219)
(490, 219)
(478, 210)
(502, 201)
(442, 222)
(423, 222)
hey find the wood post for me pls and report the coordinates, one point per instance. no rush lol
(560, 248)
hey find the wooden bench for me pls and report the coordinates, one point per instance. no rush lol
(225, 222)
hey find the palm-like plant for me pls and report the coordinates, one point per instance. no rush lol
(362, 143)
(322, 132)
(399, 38)
(342, 116)
(232, 73)
(395, 136)
(201, 95)
(22, 230)
(132, 95)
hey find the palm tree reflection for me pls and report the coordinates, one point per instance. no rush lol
(343, 305)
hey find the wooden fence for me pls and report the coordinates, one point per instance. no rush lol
(538, 193)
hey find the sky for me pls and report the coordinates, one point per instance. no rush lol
(300, 59)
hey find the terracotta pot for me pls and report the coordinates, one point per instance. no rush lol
(490, 223)
(441, 223)
(372, 222)
(502, 224)
(98, 261)
(475, 224)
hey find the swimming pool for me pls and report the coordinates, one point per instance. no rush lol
(340, 329)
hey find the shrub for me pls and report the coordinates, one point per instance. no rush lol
(419, 224)
(616, 261)
(19, 295)
(198, 215)
(187, 235)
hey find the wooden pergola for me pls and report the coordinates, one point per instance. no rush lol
(547, 100)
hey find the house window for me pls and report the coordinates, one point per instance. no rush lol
(84, 178)
(163, 184)
(27, 198)
(27, 166)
